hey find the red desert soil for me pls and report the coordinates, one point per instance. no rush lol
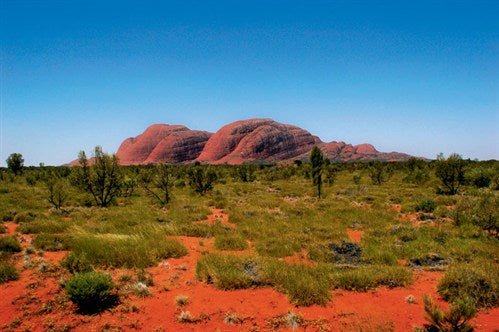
(355, 235)
(36, 302)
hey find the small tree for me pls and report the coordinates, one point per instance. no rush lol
(451, 172)
(201, 179)
(317, 161)
(418, 172)
(103, 179)
(377, 172)
(246, 172)
(158, 184)
(331, 172)
(15, 162)
(57, 192)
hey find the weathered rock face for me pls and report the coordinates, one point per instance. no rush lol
(256, 140)
(163, 143)
(340, 151)
(253, 140)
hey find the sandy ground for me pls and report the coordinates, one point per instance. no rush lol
(36, 302)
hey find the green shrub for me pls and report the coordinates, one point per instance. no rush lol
(91, 291)
(76, 263)
(229, 271)
(9, 244)
(24, 217)
(8, 272)
(455, 320)
(52, 242)
(230, 242)
(119, 250)
(426, 205)
(304, 285)
(478, 282)
(368, 277)
(2, 229)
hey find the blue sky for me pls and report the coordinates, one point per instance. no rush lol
(420, 77)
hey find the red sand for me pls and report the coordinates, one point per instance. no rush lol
(355, 235)
(384, 309)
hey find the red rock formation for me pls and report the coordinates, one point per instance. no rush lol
(256, 140)
(253, 140)
(163, 143)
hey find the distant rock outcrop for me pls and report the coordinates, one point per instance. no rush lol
(253, 140)
(262, 140)
(163, 143)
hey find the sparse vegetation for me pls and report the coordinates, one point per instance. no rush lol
(455, 320)
(8, 272)
(91, 291)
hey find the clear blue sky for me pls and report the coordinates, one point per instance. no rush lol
(412, 76)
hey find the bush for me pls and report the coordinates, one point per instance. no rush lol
(3, 229)
(230, 242)
(229, 272)
(368, 277)
(8, 272)
(76, 263)
(91, 291)
(477, 282)
(346, 252)
(10, 244)
(455, 320)
(304, 285)
(51, 242)
(426, 205)
(119, 250)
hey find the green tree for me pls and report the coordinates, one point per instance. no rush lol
(103, 179)
(159, 182)
(57, 192)
(317, 161)
(451, 172)
(15, 162)
(201, 179)
(377, 172)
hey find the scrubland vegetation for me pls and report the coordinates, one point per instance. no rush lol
(439, 215)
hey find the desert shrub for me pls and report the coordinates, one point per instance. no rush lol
(8, 272)
(478, 282)
(9, 215)
(24, 217)
(427, 205)
(480, 177)
(119, 250)
(52, 242)
(9, 244)
(346, 252)
(377, 172)
(304, 285)
(230, 242)
(368, 277)
(457, 319)
(43, 226)
(91, 291)
(76, 263)
(229, 271)
(481, 211)
(432, 260)
(3, 229)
